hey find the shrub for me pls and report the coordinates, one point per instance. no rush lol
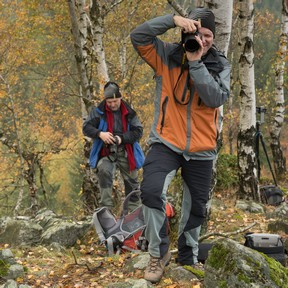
(227, 171)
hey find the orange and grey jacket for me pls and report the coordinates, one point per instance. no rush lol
(188, 94)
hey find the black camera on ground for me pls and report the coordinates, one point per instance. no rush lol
(113, 148)
(190, 43)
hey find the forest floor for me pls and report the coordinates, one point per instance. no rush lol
(87, 264)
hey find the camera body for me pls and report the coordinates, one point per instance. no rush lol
(190, 43)
(261, 110)
(113, 148)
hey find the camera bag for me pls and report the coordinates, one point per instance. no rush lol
(204, 248)
(270, 244)
(271, 195)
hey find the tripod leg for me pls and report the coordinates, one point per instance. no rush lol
(257, 155)
(269, 163)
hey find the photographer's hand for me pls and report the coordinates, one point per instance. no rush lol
(193, 56)
(106, 137)
(119, 141)
(187, 25)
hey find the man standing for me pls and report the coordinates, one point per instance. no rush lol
(114, 126)
(192, 82)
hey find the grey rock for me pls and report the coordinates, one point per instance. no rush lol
(7, 256)
(19, 232)
(131, 283)
(65, 233)
(231, 264)
(250, 206)
(10, 284)
(141, 261)
(14, 271)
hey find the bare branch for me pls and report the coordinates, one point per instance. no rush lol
(178, 8)
(228, 233)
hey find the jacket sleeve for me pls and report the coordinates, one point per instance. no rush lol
(135, 132)
(213, 91)
(90, 125)
(145, 41)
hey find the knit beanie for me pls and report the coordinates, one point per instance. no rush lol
(111, 90)
(206, 16)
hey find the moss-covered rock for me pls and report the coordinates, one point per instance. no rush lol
(4, 268)
(231, 264)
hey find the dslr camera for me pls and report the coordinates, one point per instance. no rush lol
(114, 147)
(190, 43)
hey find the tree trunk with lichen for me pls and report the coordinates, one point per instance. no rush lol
(277, 123)
(222, 41)
(80, 24)
(87, 21)
(248, 181)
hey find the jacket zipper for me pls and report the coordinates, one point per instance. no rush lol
(164, 106)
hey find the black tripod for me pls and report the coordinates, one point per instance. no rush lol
(259, 137)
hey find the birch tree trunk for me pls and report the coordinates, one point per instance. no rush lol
(88, 29)
(278, 157)
(223, 10)
(79, 26)
(248, 182)
(97, 13)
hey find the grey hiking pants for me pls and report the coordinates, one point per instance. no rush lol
(105, 171)
(161, 165)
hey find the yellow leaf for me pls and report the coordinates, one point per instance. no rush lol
(168, 281)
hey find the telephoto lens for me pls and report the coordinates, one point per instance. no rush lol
(190, 43)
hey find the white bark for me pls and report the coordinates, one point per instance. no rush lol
(79, 31)
(223, 10)
(246, 136)
(278, 157)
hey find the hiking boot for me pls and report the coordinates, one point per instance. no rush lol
(155, 268)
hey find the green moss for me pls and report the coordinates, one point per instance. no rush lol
(243, 278)
(4, 267)
(196, 272)
(217, 256)
(278, 273)
(222, 284)
(237, 217)
(252, 262)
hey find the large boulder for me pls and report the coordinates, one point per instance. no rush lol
(231, 264)
(46, 228)
(65, 233)
(17, 232)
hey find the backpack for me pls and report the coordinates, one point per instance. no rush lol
(271, 195)
(127, 232)
(270, 244)
(124, 233)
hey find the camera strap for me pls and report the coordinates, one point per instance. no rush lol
(113, 157)
(186, 87)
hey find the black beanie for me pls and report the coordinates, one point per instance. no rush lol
(111, 90)
(206, 16)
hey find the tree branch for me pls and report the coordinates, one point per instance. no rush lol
(228, 233)
(178, 8)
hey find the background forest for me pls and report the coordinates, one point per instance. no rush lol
(41, 142)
